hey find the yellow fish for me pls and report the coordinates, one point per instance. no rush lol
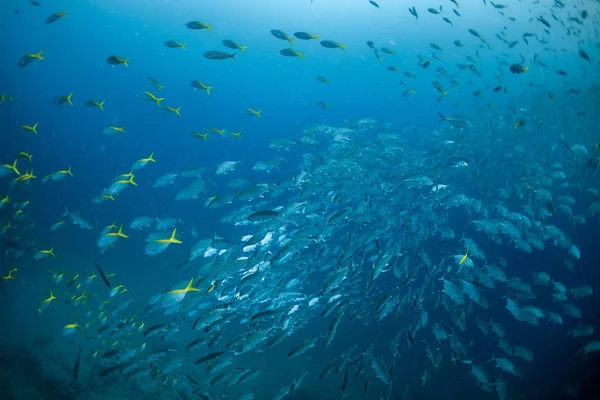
(464, 258)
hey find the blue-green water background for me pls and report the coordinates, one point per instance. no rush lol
(76, 49)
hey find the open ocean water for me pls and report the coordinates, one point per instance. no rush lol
(299, 199)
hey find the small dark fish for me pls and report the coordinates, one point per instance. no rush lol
(576, 20)
(561, 72)
(371, 44)
(35, 3)
(413, 11)
(28, 58)
(448, 21)
(436, 47)
(111, 371)
(114, 60)
(456, 12)
(189, 378)
(60, 100)
(538, 61)
(458, 43)
(264, 215)
(409, 277)
(388, 51)
(322, 79)
(376, 53)
(340, 364)
(155, 329)
(518, 69)
(292, 53)
(173, 44)
(345, 380)
(475, 33)
(326, 370)
(218, 55)
(426, 64)
(77, 365)
(195, 342)
(12, 245)
(263, 315)
(513, 44)
(543, 21)
(367, 385)
(330, 44)
(497, 89)
(306, 36)
(102, 275)
(584, 55)
(198, 25)
(374, 4)
(281, 35)
(209, 357)
(410, 337)
(55, 17)
(433, 11)
(110, 354)
(233, 45)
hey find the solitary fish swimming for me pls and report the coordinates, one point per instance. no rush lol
(114, 60)
(196, 25)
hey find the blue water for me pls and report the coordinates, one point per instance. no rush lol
(286, 90)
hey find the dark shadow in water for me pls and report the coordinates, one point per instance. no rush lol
(302, 395)
(22, 379)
